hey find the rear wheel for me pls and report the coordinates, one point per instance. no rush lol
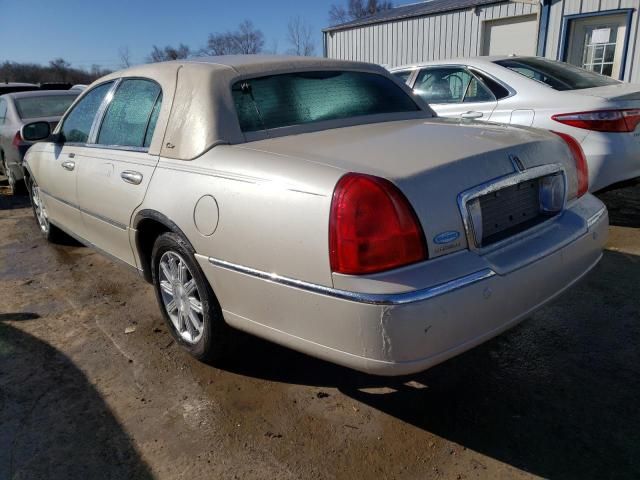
(50, 232)
(187, 301)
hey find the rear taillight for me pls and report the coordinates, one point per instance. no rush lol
(620, 121)
(372, 227)
(17, 139)
(580, 160)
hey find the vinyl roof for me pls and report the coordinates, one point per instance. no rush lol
(412, 10)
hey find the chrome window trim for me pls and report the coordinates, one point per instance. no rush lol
(503, 182)
(402, 298)
(102, 110)
(79, 98)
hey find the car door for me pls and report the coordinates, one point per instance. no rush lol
(55, 166)
(453, 91)
(115, 168)
(3, 129)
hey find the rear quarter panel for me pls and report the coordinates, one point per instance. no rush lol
(272, 210)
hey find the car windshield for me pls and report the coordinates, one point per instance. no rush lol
(557, 75)
(304, 97)
(43, 106)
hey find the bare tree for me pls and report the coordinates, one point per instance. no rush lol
(56, 70)
(61, 67)
(357, 9)
(219, 44)
(169, 53)
(248, 39)
(300, 36)
(125, 57)
(245, 40)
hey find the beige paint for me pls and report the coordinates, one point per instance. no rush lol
(273, 198)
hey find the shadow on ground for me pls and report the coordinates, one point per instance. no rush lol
(623, 205)
(10, 202)
(557, 396)
(54, 424)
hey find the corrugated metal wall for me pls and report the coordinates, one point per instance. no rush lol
(560, 8)
(448, 35)
(459, 33)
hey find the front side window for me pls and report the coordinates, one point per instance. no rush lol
(450, 85)
(305, 97)
(132, 114)
(77, 125)
(45, 106)
(557, 75)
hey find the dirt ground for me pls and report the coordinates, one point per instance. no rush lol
(80, 398)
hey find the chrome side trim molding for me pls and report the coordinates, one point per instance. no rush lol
(369, 298)
(596, 217)
(113, 223)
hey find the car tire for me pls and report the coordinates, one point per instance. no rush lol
(50, 232)
(188, 304)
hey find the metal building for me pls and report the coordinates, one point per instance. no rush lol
(600, 35)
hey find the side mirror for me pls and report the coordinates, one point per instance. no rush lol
(36, 131)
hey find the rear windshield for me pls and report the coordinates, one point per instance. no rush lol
(45, 106)
(557, 75)
(305, 97)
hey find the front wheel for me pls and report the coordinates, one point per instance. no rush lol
(50, 232)
(187, 301)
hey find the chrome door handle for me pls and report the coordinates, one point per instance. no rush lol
(132, 177)
(472, 115)
(68, 165)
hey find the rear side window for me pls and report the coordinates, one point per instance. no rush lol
(306, 97)
(496, 88)
(131, 116)
(77, 125)
(450, 85)
(403, 75)
(557, 75)
(45, 106)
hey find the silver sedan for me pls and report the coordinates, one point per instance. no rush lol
(16, 109)
(603, 114)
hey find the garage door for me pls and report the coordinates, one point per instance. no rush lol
(511, 35)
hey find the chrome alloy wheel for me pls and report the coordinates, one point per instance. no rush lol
(39, 208)
(181, 297)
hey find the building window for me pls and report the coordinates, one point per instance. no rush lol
(596, 43)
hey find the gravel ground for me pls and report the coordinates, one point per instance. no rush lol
(79, 398)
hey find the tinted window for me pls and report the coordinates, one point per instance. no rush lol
(496, 88)
(403, 75)
(50, 106)
(306, 97)
(129, 114)
(557, 75)
(450, 85)
(77, 125)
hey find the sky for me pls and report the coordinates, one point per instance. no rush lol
(87, 32)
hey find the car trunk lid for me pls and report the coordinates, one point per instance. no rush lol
(431, 161)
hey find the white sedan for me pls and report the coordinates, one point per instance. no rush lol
(603, 114)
